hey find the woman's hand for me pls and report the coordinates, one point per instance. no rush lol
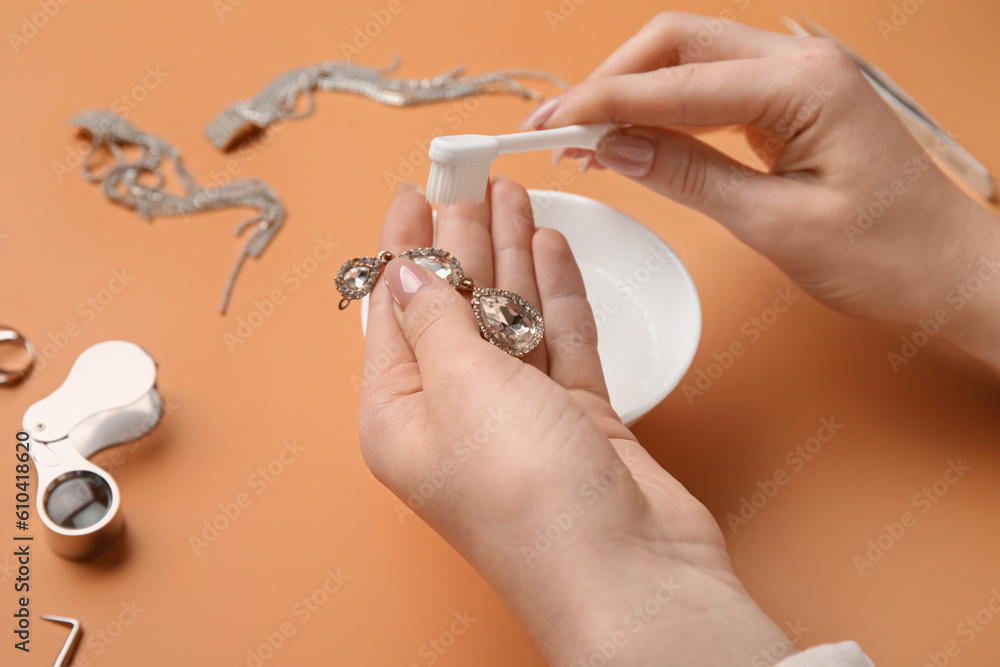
(843, 199)
(524, 467)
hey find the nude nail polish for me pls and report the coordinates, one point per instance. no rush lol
(542, 113)
(405, 279)
(630, 155)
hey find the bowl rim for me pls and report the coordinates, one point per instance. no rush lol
(641, 408)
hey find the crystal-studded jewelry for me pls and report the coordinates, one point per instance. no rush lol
(357, 277)
(505, 319)
(280, 99)
(441, 262)
(125, 182)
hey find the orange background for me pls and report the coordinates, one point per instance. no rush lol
(295, 377)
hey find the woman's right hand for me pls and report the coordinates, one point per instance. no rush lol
(844, 200)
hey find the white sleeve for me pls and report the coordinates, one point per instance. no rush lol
(844, 654)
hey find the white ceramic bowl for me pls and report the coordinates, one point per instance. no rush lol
(645, 303)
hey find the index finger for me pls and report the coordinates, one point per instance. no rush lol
(677, 38)
(758, 92)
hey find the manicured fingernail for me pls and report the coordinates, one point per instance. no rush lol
(499, 177)
(557, 154)
(628, 154)
(541, 113)
(405, 279)
(409, 186)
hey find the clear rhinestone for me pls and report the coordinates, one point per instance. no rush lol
(435, 264)
(512, 324)
(356, 277)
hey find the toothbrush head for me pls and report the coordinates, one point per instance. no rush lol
(460, 168)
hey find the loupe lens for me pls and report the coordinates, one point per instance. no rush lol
(77, 500)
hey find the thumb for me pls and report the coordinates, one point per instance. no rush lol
(694, 174)
(436, 320)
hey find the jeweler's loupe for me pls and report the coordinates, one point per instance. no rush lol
(109, 397)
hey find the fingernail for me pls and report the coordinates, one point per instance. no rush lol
(557, 154)
(499, 177)
(405, 279)
(541, 113)
(628, 154)
(409, 186)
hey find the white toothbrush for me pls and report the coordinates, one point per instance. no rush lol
(460, 164)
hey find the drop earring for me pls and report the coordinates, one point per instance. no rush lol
(505, 319)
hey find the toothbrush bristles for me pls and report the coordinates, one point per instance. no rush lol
(449, 184)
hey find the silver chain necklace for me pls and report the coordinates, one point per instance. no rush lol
(121, 184)
(277, 101)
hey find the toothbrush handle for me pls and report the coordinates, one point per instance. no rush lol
(571, 136)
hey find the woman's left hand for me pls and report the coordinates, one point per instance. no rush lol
(524, 467)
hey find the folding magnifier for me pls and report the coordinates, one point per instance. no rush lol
(109, 397)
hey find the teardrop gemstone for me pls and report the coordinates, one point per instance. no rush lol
(357, 277)
(507, 320)
(441, 262)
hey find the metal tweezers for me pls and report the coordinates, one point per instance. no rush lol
(930, 133)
